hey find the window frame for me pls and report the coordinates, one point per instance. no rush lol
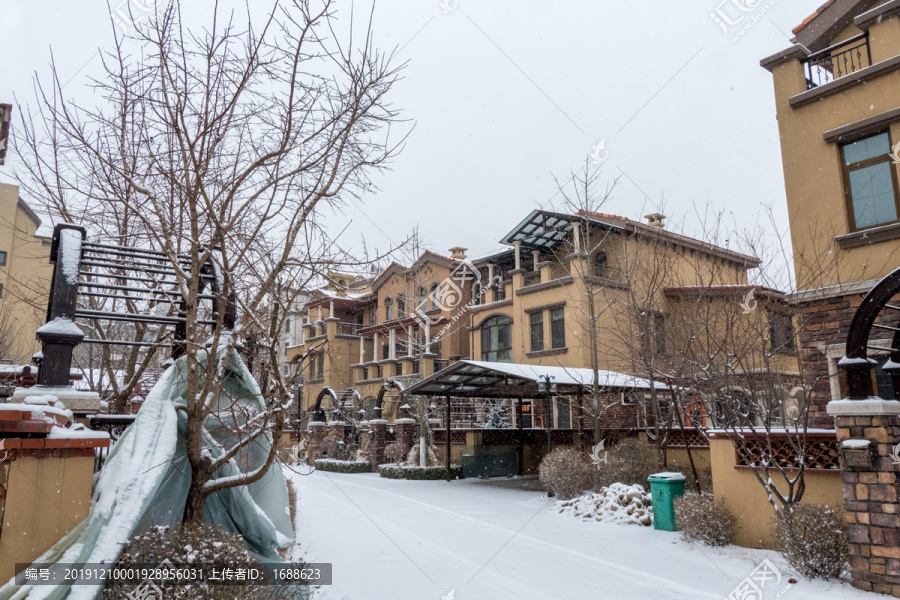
(496, 321)
(869, 162)
(562, 324)
(536, 327)
(388, 309)
(4, 258)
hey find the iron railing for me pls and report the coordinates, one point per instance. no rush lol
(348, 328)
(532, 277)
(838, 60)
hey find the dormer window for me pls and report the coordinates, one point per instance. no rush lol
(870, 182)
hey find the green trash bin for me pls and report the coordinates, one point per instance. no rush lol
(664, 488)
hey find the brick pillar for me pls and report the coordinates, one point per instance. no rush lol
(316, 441)
(868, 432)
(378, 443)
(406, 429)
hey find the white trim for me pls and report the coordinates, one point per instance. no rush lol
(832, 291)
(870, 406)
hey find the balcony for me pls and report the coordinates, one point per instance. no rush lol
(836, 61)
(351, 329)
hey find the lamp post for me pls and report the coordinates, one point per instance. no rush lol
(548, 386)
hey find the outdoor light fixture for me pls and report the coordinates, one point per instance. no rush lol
(547, 386)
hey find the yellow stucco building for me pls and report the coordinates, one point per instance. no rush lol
(25, 273)
(837, 96)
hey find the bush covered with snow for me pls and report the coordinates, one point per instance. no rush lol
(700, 518)
(812, 539)
(618, 503)
(192, 545)
(419, 473)
(631, 461)
(567, 473)
(343, 466)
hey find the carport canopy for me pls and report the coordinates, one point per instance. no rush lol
(478, 379)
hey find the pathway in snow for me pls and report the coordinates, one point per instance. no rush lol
(406, 540)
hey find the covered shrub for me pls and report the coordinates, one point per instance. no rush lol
(631, 462)
(419, 473)
(812, 539)
(700, 518)
(567, 473)
(343, 466)
(193, 545)
(394, 453)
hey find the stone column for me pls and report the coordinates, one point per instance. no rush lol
(379, 441)
(517, 245)
(536, 260)
(405, 429)
(868, 432)
(316, 441)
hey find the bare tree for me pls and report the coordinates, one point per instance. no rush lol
(223, 145)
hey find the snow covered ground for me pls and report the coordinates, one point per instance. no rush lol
(415, 540)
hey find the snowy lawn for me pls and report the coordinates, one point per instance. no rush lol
(415, 540)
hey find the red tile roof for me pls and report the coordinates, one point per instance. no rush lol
(810, 18)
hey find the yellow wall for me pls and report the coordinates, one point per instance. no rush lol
(812, 168)
(46, 498)
(746, 498)
(25, 279)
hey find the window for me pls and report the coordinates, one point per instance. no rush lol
(558, 328)
(401, 306)
(537, 331)
(600, 269)
(476, 293)
(435, 295)
(420, 305)
(781, 332)
(2, 259)
(321, 372)
(527, 420)
(563, 413)
(388, 309)
(496, 339)
(870, 183)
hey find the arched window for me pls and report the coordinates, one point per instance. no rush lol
(401, 306)
(496, 339)
(388, 309)
(600, 269)
(435, 295)
(476, 293)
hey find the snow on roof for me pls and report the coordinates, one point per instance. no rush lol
(567, 376)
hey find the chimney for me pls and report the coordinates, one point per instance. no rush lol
(656, 220)
(458, 253)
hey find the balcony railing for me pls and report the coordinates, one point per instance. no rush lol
(559, 271)
(348, 328)
(440, 363)
(838, 60)
(608, 273)
(532, 277)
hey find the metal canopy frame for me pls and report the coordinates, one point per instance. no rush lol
(541, 230)
(466, 380)
(123, 276)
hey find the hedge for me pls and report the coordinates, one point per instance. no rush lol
(343, 466)
(419, 473)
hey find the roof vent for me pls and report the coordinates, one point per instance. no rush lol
(656, 220)
(458, 253)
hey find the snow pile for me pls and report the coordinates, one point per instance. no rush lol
(618, 503)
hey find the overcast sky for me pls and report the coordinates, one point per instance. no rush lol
(506, 94)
